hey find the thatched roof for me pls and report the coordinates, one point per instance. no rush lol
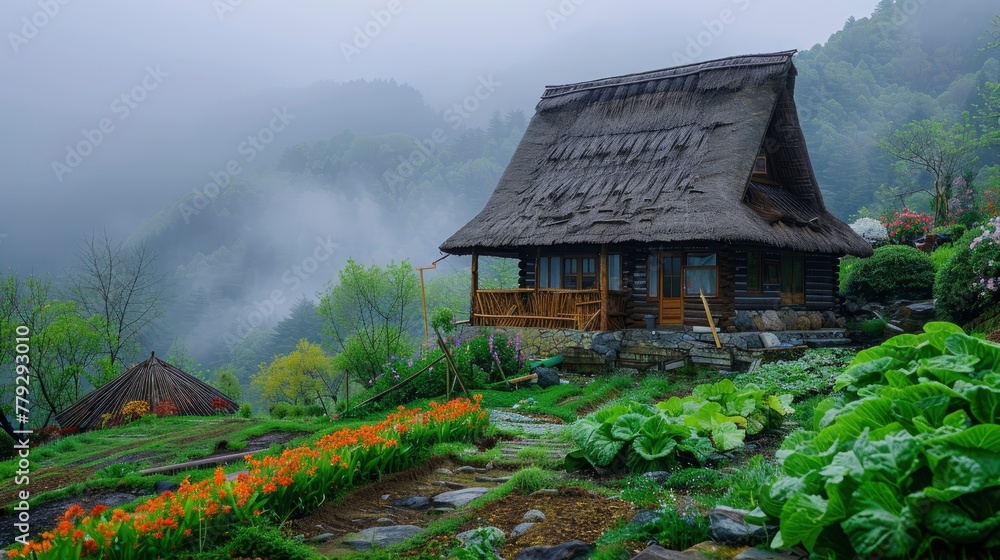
(663, 157)
(153, 381)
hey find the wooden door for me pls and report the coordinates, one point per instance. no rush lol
(671, 298)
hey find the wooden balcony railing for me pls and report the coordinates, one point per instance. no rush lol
(552, 309)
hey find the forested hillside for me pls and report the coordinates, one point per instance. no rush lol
(909, 61)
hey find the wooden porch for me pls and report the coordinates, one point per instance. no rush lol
(549, 309)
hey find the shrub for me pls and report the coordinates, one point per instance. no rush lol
(219, 405)
(246, 411)
(893, 272)
(166, 408)
(133, 410)
(967, 284)
(260, 541)
(874, 328)
(286, 410)
(905, 226)
(531, 479)
(871, 230)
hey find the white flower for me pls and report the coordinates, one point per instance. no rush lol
(871, 231)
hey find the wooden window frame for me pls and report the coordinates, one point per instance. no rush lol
(615, 283)
(713, 268)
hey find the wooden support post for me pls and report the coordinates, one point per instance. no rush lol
(711, 322)
(605, 295)
(475, 287)
(450, 361)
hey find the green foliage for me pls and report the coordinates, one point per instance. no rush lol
(227, 383)
(443, 319)
(246, 411)
(259, 541)
(531, 480)
(960, 286)
(640, 438)
(285, 410)
(670, 528)
(694, 478)
(813, 373)
(903, 463)
(304, 376)
(369, 313)
(6, 444)
(941, 255)
(481, 546)
(874, 328)
(847, 265)
(893, 272)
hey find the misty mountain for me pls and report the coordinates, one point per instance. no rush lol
(908, 61)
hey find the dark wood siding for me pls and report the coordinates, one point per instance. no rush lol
(770, 295)
(720, 305)
(821, 281)
(526, 269)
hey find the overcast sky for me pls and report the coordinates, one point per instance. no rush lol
(66, 65)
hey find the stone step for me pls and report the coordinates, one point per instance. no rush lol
(827, 342)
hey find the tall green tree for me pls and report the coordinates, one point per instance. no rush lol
(303, 322)
(370, 313)
(302, 376)
(942, 150)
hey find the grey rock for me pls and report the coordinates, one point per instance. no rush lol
(385, 497)
(468, 470)
(829, 320)
(919, 310)
(644, 517)
(659, 477)
(384, 521)
(534, 516)
(448, 484)
(789, 318)
(657, 552)
(758, 554)
(727, 526)
(566, 551)
(497, 480)
(547, 377)
(744, 322)
(771, 321)
(544, 491)
(445, 472)
(458, 498)
(320, 538)
(414, 502)
(381, 536)
(769, 340)
(521, 529)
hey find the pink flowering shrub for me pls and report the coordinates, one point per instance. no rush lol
(968, 283)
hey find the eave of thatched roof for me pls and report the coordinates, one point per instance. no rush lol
(662, 157)
(153, 381)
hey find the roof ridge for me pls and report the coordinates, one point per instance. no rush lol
(780, 57)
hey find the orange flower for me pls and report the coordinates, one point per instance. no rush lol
(98, 510)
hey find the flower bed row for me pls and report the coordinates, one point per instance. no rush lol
(293, 483)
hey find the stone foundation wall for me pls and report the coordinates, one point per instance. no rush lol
(593, 352)
(786, 319)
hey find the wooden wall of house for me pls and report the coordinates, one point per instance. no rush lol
(770, 295)
(635, 269)
(822, 273)
(526, 269)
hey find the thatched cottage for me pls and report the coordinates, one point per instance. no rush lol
(631, 196)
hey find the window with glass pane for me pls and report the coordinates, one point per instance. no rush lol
(671, 277)
(653, 277)
(614, 272)
(793, 277)
(700, 274)
(753, 271)
(548, 272)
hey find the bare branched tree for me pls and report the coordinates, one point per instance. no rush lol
(121, 285)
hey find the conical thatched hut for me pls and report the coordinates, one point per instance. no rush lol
(630, 197)
(153, 381)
